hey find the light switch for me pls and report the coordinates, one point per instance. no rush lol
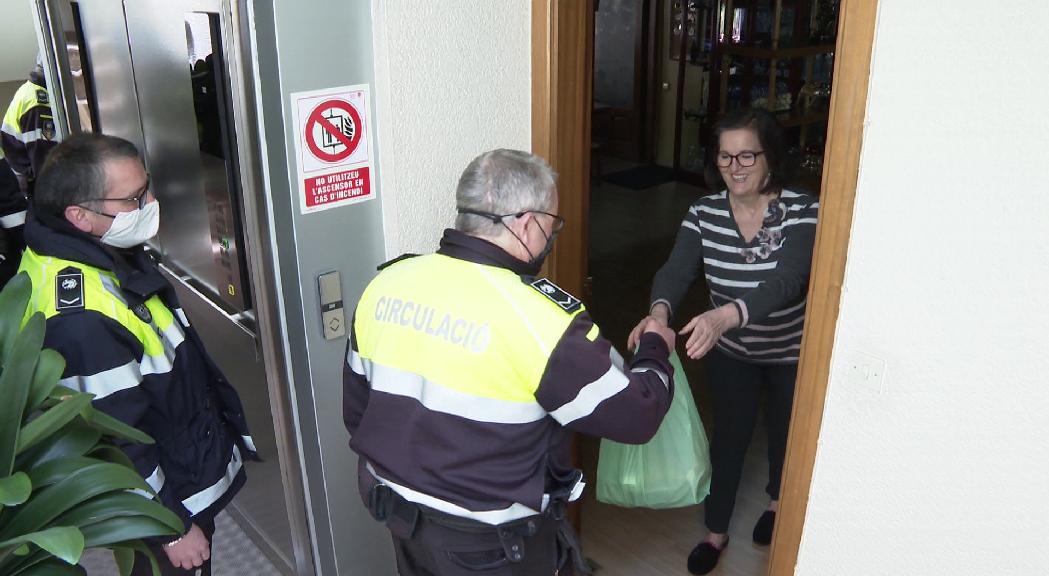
(333, 320)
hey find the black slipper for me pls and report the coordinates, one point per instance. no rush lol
(763, 529)
(704, 557)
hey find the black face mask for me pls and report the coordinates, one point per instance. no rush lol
(535, 260)
(539, 258)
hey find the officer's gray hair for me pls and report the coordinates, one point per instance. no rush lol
(503, 182)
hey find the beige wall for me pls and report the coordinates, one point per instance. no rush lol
(19, 42)
(934, 453)
(450, 83)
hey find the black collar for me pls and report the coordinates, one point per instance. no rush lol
(463, 246)
(36, 76)
(136, 272)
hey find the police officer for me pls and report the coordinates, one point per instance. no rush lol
(116, 321)
(27, 134)
(465, 375)
(12, 218)
(28, 131)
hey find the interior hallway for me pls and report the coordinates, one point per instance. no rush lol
(631, 234)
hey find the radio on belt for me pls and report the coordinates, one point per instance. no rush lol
(333, 321)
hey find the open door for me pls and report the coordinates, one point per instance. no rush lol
(561, 68)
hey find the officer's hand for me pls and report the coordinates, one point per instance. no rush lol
(635, 334)
(190, 551)
(657, 326)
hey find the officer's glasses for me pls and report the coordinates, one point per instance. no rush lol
(138, 199)
(559, 222)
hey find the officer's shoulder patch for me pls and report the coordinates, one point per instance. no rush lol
(389, 263)
(563, 299)
(69, 289)
(42, 98)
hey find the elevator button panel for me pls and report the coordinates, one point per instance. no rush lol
(333, 320)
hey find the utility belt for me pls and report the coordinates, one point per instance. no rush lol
(402, 517)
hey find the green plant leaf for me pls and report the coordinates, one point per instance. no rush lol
(111, 453)
(51, 421)
(53, 471)
(136, 546)
(118, 504)
(13, 301)
(15, 489)
(121, 529)
(49, 368)
(52, 567)
(14, 386)
(80, 486)
(74, 439)
(110, 426)
(124, 557)
(63, 542)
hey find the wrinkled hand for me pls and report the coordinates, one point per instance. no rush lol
(707, 328)
(657, 326)
(661, 314)
(191, 551)
(654, 324)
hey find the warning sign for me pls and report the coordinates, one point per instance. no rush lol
(345, 185)
(333, 146)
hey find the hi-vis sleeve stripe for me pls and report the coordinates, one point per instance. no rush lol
(155, 481)
(13, 220)
(492, 517)
(590, 396)
(440, 398)
(662, 375)
(357, 364)
(128, 375)
(208, 496)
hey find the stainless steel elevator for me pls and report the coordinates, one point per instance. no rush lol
(202, 88)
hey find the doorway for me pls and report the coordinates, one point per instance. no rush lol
(562, 55)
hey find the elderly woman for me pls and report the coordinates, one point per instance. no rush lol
(753, 241)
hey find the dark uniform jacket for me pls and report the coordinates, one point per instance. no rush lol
(465, 376)
(116, 321)
(28, 131)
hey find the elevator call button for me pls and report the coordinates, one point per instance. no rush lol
(333, 320)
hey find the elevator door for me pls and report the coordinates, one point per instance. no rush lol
(157, 73)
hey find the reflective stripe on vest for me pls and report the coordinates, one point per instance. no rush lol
(474, 342)
(160, 338)
(24, 99)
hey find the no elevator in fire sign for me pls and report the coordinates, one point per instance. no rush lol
(333, 146)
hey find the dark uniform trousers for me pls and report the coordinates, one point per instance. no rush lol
(431, 543)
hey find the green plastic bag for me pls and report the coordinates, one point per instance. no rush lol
(670, 471)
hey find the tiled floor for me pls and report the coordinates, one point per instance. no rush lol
(233, 554)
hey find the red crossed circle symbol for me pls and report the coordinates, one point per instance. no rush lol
(349, 142)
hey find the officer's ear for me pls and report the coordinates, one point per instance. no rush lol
(79, 217)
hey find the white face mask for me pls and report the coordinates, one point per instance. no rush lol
(129, 229)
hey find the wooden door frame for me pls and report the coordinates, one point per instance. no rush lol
(562, 57)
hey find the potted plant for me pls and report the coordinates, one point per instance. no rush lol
(64, 486)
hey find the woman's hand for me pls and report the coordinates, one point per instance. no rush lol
(707, 328)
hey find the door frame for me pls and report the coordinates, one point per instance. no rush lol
(562, 60)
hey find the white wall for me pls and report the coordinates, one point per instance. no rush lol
(451, 82)
(938, 461)
(18, 40)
